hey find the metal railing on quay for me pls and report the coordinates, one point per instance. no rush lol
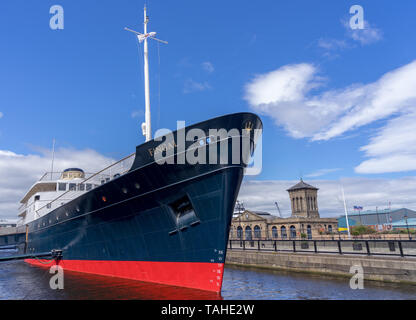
(398, 248)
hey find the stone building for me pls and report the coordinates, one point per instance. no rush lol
(304, 221)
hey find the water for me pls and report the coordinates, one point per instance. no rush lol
(19, 280)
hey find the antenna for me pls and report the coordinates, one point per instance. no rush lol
(53, 157)
(142, 37)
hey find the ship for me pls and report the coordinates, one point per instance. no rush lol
(151, 216)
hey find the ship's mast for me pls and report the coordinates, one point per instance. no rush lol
(146, 126)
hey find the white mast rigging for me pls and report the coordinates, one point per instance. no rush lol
(146, 126)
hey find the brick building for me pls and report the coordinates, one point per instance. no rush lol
(305, 219)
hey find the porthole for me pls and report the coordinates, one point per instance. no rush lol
(137, 186)
(67, 214)
(104, 199)
(124, 190)
(78, 209)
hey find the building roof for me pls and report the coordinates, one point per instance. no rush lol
(411, 223)
(261, 213)
(301, 185)
(73, 169)
(376, 217)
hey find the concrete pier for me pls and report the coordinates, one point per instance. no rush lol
(388, 269)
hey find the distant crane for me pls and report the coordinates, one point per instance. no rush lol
(278, 209)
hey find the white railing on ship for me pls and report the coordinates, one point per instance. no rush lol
(113, 171)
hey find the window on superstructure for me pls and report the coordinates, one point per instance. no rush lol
(48, 206)
(37, 198)
(88, 186)
(81, 187)
(72, 186)
(62, 187)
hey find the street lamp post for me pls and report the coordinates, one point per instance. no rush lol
(407, 227)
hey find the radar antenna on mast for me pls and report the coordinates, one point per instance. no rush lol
(142, 37)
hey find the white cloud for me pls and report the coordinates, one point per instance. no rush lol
(19, 172)
(366, 192)
(321, 172)
(332, 44)
(137, 114)
(208, 67)
(192, 86)
(364, 36)
(287, 95)
(393, 149)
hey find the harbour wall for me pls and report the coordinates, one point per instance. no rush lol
(387, 269)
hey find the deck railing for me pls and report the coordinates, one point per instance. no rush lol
(103, 176)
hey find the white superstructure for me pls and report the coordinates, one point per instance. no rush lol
(56, 189)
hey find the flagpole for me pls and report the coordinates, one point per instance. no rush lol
(346, 213)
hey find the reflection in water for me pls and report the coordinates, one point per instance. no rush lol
(19, 280)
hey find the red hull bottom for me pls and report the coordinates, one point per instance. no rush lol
(195, 275)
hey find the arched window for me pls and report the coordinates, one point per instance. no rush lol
(274, 232)
(329, 228)
(292, 231)
(309, 231)
(239, 232)
(257, 232)
(297, 204)
(301, 204)
(249, 236)
(283, 232)
(314, 203)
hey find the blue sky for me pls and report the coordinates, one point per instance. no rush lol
(83, 85)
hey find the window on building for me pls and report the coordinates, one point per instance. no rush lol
(329, 228)
(292, 232)
(239, 232)
(62, 187)
(274, 232)
(309, 231)
(257, 232)
(249, 236)
(283, 232)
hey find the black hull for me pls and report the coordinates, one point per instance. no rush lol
(131, 222)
